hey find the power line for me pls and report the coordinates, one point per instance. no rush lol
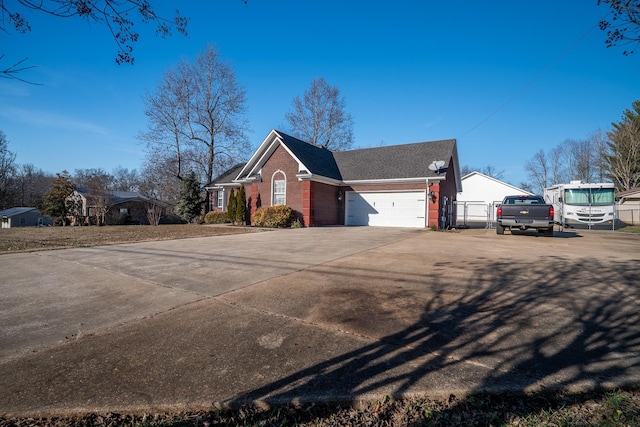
(536, 78)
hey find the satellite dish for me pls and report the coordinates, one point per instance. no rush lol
(437, 166)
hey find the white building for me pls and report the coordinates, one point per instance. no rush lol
(628, 206)
(476, 204)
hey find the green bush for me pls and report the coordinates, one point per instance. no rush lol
(273, 216)
(215, 218)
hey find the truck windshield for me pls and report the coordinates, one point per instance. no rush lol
(589, 196)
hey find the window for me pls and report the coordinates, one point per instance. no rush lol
(124, 211)
(220, 198)
(279, 192)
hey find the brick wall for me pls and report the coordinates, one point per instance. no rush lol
(326, 205)
(261, 192)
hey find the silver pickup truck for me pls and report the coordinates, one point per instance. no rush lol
(525, 212)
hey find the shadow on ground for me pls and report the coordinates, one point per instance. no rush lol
(563, 326)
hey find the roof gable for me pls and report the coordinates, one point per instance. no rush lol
(475, 175)
(311, 159)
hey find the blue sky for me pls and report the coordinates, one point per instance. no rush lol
(410, 71)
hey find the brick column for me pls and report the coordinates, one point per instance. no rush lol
(255, 195)
(433, 206)
(307, 204)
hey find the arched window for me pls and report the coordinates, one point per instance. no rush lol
(278, 188)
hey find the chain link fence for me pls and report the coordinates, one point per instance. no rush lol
(480, 214)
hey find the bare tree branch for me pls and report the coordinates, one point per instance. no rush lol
(12, 71)
(117, 15)
(623, 28)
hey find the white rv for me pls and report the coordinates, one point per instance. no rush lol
(582, 204)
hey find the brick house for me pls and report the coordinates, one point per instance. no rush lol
(118, 207)
(410, 185)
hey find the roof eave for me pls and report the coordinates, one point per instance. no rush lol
(318, 178)
(415, 180)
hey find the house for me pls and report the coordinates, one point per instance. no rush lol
(410, 185)
(476, 204)
(111, 207)
(23, 217)
(628, 206)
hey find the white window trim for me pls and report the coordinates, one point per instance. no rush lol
(220, 199)
(273, 181)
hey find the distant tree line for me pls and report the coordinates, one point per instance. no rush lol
(603, 156)
(197, 129)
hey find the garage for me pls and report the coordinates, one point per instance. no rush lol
(386, 209)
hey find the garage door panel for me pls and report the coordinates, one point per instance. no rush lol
(388, 209)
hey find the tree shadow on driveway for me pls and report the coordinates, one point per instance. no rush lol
(564, 325)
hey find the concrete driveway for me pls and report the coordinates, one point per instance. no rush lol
(321, 313)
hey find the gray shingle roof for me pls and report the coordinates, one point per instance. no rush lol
(404, 161)
(227, 176)
(394, 161)
(15, 211)
(116, 197)
(320, 160)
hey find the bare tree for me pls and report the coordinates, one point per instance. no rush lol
(154, 213)
(125, 179)
(320, 117)
(558, 170)
(537, 169)
(32, 184)
(624, 26)
(7, 172)
(158, 183)
(624, 150)
(117, 15)
(598, 140)
(580, 157)
(197, 118)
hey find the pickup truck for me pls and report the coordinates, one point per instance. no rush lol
(525, 212)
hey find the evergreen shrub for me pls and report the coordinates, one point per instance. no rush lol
(215, 218)
(273, 216)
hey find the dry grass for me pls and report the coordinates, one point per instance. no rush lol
(609, 409)
(26, 239)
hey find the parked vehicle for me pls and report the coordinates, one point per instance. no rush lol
(523, 213)
(582, 204)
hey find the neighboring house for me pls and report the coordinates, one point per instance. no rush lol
(628, 206)
(23, 217)
(220, 188)
(410, 185)
(118, 207)
(476, 204)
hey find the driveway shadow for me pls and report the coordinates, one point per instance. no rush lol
(564, 325)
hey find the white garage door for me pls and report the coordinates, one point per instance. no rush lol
(398, 209)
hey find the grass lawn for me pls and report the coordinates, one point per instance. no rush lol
(630, 229)
(41, 238)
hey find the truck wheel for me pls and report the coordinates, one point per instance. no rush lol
(548, 232)
(499, 229)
